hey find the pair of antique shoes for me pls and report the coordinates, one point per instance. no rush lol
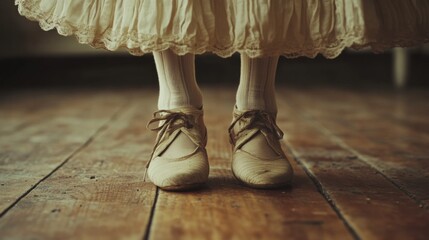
(191, 170)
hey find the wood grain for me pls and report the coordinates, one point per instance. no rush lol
(398, 152)
(227, 210)
(395, 150)
(38, 136)
(99, 193)
(360, 165)
(371, 204)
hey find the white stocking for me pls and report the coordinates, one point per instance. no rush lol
(177, 88)
(177, 84)
(256, 91)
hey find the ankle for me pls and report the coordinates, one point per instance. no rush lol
(242, 108)
(162, 106)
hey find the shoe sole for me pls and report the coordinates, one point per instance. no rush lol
(183, 187)
(264, 186)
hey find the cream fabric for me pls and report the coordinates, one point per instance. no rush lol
(255, 27)
(177, 84)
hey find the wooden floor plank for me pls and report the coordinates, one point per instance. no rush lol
(17, 110)
(408, 108)
(398, 111)
(395, 150)
(371, 205)
(227, 210)
(50, 134)
(99, 193)
(21, 109)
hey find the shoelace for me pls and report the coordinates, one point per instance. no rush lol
(258, 119)
(169, 125)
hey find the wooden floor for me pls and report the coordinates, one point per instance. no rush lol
(72, 164)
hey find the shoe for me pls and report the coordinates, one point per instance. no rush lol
(185, 172)
(256, 171)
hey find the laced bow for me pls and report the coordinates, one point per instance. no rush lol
(170, 122)
(258, 119)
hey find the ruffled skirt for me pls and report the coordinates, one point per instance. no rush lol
(256, 27)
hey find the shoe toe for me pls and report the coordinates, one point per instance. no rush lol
(176, 174)
(261, 173)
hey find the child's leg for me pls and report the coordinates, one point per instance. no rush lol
(177, 89)
(179, 159)
(177, 83)
(257, 158)
(256, 91)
